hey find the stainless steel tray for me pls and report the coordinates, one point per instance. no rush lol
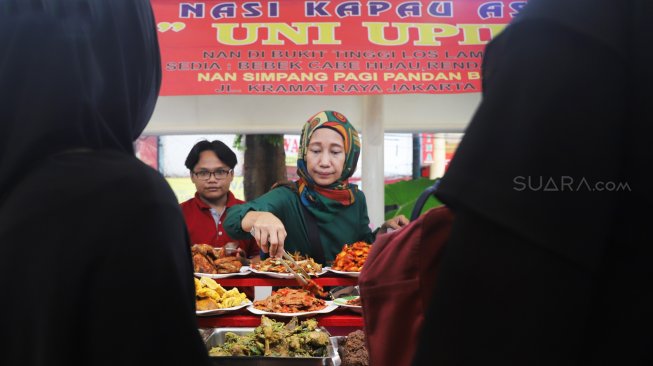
(218, 337)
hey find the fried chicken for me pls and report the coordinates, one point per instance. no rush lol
(201, 264)
(207, 259)
(227, 265)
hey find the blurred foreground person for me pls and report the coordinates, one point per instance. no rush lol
(95, 266)
(550, 259)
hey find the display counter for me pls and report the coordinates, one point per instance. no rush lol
(339, 322)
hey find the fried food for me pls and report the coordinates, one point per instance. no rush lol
(227, 265)
(315, 289)
(207, 259)
(201, 264)
(206, 304)
(276, 339)
(275, 265)
(286, 300)
(352, 257)
(210, 295)
(210, 283)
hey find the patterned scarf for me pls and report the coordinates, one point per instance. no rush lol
(339, 191)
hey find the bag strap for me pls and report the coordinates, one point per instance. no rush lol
(428, 192)
(313, 235)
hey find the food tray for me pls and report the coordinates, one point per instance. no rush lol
(217, 338)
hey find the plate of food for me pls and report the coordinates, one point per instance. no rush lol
(351, 259)
(327, 309)
(283, 274)
(351, 302)
(291, 302)
(218, 311)
(212, 262)
(273, 267)
(243, 271)
(213, 299)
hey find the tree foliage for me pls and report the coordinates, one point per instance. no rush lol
(265, 163)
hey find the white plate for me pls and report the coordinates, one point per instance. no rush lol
(244, 270)
(350, 274)
(342, 301)
(284, 275)
(329, 308)
(223, 310)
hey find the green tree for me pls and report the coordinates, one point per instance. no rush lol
(264, 165)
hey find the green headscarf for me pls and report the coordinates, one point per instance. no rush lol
(341, 191)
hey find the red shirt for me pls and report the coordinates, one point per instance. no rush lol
(203, 229)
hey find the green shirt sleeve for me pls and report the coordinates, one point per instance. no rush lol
(366, 233)
(337, 226)
(278, 201)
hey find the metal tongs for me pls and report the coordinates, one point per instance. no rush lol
(302, 277)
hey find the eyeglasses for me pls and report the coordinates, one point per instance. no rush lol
(206, 175)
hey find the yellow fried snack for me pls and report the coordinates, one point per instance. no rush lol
(236, 300)
(233, 292)
(232, 298)
(206, 304)
(211, 295)
(209, 282)
(220, 290)
(207, 292)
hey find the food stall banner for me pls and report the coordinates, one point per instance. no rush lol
(336, 47)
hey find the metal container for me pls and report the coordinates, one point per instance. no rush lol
(217, 338)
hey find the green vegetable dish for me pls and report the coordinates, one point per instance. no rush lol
(276, 339)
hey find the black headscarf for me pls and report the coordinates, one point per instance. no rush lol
(82, 221)
(557, 273)
(73, 74)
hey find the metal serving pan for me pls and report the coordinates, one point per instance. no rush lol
(217, 338)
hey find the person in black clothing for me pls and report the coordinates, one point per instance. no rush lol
(549, 260)
(95, 265)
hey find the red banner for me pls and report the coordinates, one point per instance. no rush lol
(332, 47)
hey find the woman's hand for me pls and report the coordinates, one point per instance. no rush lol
(394, 223)
(267, 230)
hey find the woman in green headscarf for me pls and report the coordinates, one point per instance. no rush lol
(319, 212)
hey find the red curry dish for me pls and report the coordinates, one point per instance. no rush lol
(286, 300)
(352, 257)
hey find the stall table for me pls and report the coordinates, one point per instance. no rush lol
(339, 322)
